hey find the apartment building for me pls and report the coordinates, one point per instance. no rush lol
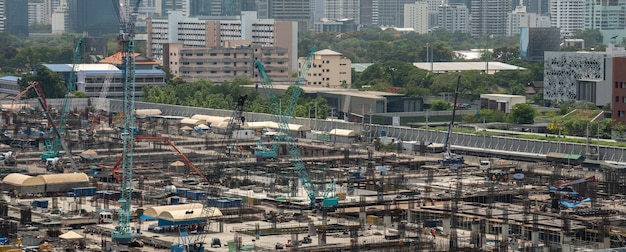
(416, 17)
(569, 15)
(453, 17)
(245, 29)
(219, 64)
(605, 15)
(489, 17)
(36, 13)
(521, 18)
(328, 69)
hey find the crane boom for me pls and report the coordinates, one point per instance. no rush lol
(292, 148)
(117, 172)
(123, 233)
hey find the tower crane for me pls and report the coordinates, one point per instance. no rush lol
(261, 149)
(100, 102)
(123, 233)
(329, 200)
(59, 140)
(195, 243)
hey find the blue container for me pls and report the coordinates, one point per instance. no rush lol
(174, 200)
(211, 202)
(182, 192)
(222, 203)
(85, 191)
(197, 195)
(40, 203)
(70, 194)
(191, 195)
(235, 202)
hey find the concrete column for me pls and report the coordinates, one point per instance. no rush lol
(505, 232)
(362, 218)
(534, 237)
(387, 221)
(606, 242)
(566, 243)
(446, 225)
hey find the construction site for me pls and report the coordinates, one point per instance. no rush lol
(101, 174)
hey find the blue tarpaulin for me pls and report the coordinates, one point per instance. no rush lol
(145, 217)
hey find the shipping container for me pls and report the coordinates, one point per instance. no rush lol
(84, 191)
(182, 192)
(40, 203)
(174, 200)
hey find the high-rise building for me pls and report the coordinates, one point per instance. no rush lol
(389, 12)
(541, 7)
(83, 18)
(287, 10)
(520, 18)
(219, 7)
(433, 12)
(453, 17)
(605, 14)
(14, 17)
(341, 9)
(567, 15)
(246, 29)
(36, 13)
(365, 12)
(489, 17)
(416, 17)
(535, 41)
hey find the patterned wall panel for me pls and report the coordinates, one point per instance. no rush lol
(562, 69)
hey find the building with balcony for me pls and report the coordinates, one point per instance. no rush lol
(569, 15)
(453, 17)
(213, 33)
(489, 17)
(328, 69)
(219, 64)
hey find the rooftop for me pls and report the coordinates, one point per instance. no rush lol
(79, 67)
(445, 67)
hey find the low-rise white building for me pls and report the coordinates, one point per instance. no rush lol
(502, 102)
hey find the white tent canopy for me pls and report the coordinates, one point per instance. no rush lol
(71, 235)
(147, 112)
(273, 125)
(209, 120)
(190, 121)
(344, 132)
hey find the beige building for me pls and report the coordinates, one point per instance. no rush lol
(329, 69)
(219, 64)
(246, 28)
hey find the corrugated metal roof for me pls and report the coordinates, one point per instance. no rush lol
(65, 178)
(10, 78)
(18, 179)
(157, 210)
(80, 67)
(465, 66)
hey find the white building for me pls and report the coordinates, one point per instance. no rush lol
(519, 18)
(502, 102)
(244, 29)
(328, 69)
(581, 76)
(416, 17)
(567, 15)
(36, 13)
(453, 17)
(341, 9)
(609, 15)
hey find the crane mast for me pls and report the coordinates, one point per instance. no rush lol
(294, 152)
(123, 233)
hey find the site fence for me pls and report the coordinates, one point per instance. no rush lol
(501, 143)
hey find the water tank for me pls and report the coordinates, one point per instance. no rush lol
(170, 188)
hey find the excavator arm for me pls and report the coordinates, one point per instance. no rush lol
(117, 171)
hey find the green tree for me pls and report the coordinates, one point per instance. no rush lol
(591, 37)
(522, 113)
(437, 105)
(506, 53)
(52, 84)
